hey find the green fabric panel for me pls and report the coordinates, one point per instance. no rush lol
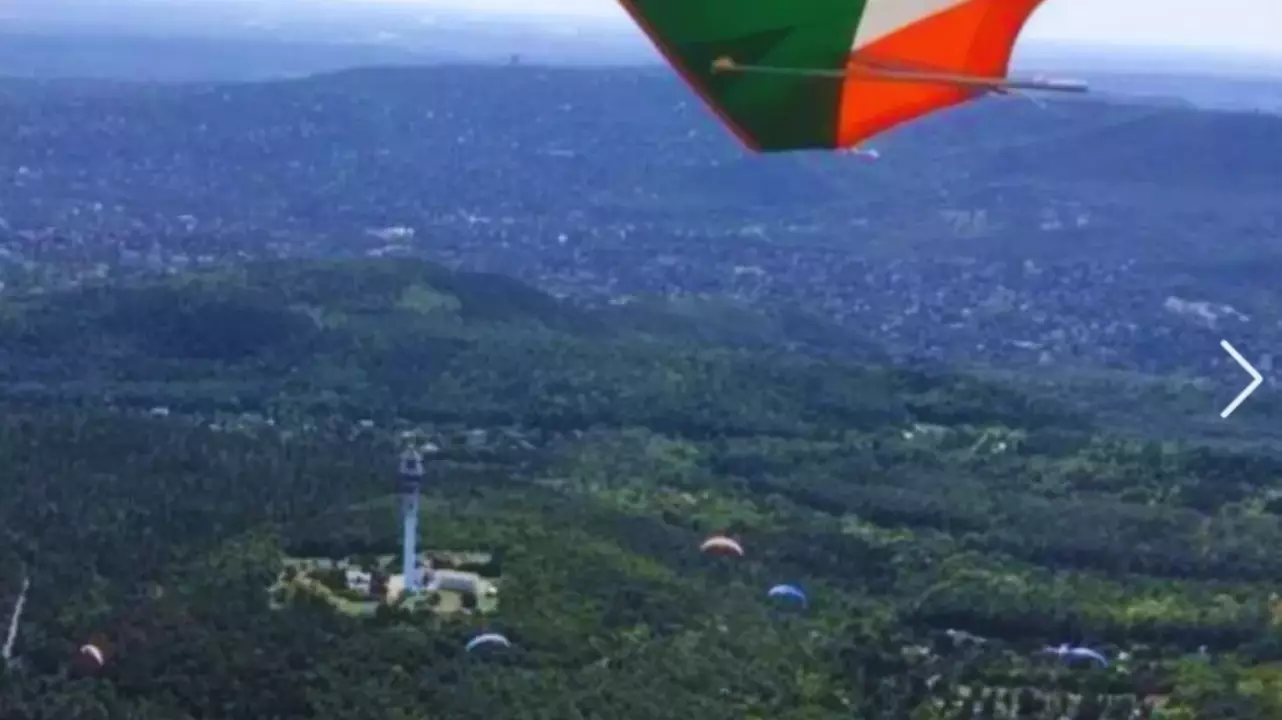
(777, 112)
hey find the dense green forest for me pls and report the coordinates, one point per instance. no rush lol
(166, 443)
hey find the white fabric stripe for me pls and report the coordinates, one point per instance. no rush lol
(883, 17)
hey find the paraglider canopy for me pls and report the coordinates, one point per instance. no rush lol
(1069, 652)
(490, 638)
(721, 545)
(789, 592)
(90, 657)
(797, 75)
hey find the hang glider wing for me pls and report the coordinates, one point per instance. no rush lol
(799, 74)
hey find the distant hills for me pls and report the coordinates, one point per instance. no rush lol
(203, 40)
(252, 56)
(198, 40)
(605, 184)
(346, 151)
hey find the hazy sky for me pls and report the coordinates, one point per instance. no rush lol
(1237, 26)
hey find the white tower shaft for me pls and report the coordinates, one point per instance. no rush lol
(409, 540)
(411, 478)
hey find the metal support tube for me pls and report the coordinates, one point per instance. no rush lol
(987, 84)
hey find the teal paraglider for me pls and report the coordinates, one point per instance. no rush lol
(789, 592)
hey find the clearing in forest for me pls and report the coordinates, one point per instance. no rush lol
(453, 582)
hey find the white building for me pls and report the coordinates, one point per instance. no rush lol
(455, 581)
(358, 580)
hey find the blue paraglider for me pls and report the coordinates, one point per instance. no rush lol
(789, 592)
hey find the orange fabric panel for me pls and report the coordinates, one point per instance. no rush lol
(975, 39)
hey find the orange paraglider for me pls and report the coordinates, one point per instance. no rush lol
(721, 545)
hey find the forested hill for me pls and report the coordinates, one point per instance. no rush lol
(520, 140)
(380, 336)
(386, 336)
(946, 528)
(279, 309)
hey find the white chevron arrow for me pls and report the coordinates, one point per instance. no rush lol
(1256, 379)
